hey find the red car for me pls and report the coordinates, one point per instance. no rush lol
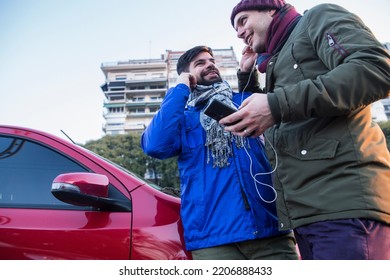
(61, 201)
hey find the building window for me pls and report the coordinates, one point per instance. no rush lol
(157, 87)
(117, 89)
(138, 99)
(114, 124)
(116, 98)
(120, 77)
(136, 87)
(137, 111)
(116, 110)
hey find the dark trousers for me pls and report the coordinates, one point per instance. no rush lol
(280, 247)
(349, 239)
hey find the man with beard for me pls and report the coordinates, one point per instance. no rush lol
(228, 201)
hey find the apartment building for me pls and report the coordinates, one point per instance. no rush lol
(386, 107)
(134, 89)
(133, 93)
(378, 111)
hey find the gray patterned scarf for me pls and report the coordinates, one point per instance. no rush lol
(218, 141)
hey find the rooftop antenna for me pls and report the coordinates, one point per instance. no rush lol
(68, 137)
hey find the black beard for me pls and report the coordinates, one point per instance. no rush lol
(204, 82)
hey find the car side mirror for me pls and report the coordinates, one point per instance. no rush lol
(87, 189)
(82, 189)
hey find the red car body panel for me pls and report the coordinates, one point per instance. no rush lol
(151, 230)
(59, 234)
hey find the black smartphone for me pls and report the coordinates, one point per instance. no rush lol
(218, 110)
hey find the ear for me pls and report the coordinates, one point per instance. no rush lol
(272, 12)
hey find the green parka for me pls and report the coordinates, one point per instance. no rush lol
(332, 159)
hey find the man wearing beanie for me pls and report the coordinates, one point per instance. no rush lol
(323, 70)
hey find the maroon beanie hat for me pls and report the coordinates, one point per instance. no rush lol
(246, 5)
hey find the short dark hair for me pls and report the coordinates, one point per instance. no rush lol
(185, 59)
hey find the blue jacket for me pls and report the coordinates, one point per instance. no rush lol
(218, 205)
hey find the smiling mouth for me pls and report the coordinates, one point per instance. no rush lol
(212, 72)
(248, 40)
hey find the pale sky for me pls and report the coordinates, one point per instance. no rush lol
(51, 50)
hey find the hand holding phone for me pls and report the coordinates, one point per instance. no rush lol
(218, 110)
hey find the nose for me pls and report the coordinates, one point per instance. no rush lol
(240, 32)
(209, 64)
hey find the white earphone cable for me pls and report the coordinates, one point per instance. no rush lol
(256, 181)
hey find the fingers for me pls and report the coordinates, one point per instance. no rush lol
(187, 79)
(240, 125)
(248, 133)
(247, 50)
(244, 103)
(252, 119)
(192, 80)
(248, 59)
(234, 118)
(252, 134)
(236, 124)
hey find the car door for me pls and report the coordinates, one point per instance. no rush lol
(36, 225)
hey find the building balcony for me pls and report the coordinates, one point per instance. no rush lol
(111, 129)
(135, 127)
(114, 115)
(145, 91)
(146, 80)
(114, 103)
(142, 104)
(140, 115)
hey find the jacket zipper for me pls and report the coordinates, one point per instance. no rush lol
(333, 43)
(243, 194)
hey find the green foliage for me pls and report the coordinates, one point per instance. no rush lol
(125, 150)
(386, 130)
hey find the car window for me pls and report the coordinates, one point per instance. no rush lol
(27, 170)
(167, 190)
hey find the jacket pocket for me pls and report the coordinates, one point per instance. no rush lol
(193, 130)
(314, 149)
